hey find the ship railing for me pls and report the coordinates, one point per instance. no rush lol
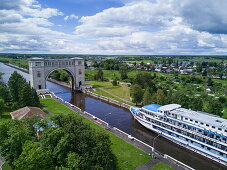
(190, 131)
(202, 127)
(178, 162)
(195, 140)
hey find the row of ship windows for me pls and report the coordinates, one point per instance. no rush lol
(187, 127)
(221, 139)
(175, 116)
(196, 137)
(205, 124)
(193, 142)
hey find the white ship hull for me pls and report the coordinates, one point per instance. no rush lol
(149, 125)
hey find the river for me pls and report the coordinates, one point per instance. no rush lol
(122, 119)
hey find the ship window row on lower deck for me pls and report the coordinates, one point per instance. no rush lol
(189, 120)
(216, 137)
(196, 137)
(221, 154)
(199, 123)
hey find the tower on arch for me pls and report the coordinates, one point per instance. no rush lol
(40, 68)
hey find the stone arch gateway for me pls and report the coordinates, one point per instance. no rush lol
(40, 68)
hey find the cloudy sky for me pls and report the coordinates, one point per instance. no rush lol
(114, 26)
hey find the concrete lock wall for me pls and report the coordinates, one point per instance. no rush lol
(40, 69)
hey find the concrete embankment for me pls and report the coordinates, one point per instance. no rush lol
(17, 67)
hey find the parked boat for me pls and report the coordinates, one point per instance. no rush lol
(200, 132)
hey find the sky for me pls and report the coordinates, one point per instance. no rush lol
(114, 27)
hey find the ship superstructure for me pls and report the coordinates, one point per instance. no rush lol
(200, 132)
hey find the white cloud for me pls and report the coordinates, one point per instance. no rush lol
(72, 16)
(138, 27)
(150, 27)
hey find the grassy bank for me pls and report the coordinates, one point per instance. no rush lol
(18, 62)
(128, 156)
(161, 166)
(120, 93)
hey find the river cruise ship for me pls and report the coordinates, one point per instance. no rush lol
(200, 132)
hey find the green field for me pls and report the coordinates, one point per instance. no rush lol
(139, 61)
(18, 62)
(161, 166)
(123, 91)
(128, 156)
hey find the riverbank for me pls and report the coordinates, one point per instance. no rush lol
(17, 67)
(107, 99)
(124, 136)
(128, 156)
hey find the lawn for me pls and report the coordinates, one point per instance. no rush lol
(139, 61)
(100, 92)
(121, 91)
(128, 156)
(18, 62)
(161, 166)
(109, 74)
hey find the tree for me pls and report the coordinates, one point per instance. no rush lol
(99, 75)
(181, 97)
(64, 77)
(28, 96)
(16, 81)
(204, 72)
(147, 98)
(123, 73)
(136, 93)
(114, 82)
(1, 77)
(4, 93)
(87, 148)
(214, 107)
(69, 144)
(34, 157)
(196, 104)
(12, 138)
(210, 82)
(25, 96)
(160, 97)
(2, 106)
(222, 99)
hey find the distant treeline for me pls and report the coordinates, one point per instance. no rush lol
(119, 57)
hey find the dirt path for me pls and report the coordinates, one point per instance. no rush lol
(115, 96)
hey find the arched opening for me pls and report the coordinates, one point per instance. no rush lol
(61, 76)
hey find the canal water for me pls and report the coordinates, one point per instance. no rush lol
(122, 119)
